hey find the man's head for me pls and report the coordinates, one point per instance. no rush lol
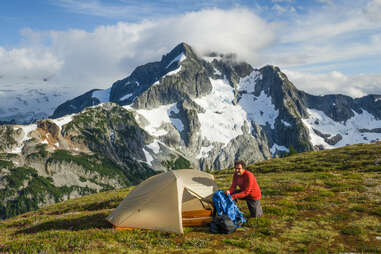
(239, 167)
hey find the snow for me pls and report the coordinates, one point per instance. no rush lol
(377, 99)
(167, 74)
(348, 130)
(154, 146)
(173, 72)
(126, 97)
(63, 120)
(277, 147)
(285, 123)
(204, 151)
(148, 156)
(159, 116)
(27, 129)
(259, 109)
(248, 83)
(102, 95)
(217, 72)
(223, 121)
(178, 59)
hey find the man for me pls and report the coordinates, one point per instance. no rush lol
(248, 189)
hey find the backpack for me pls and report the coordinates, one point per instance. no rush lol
(223, 204)
(222, 224)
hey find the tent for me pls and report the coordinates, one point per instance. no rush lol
(160, 202)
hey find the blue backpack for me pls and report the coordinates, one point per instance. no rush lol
(224, 204)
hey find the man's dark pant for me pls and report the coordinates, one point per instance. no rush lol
(253, 205)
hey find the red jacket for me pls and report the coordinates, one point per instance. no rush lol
(248, 186)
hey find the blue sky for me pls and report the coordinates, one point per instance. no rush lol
(324, 46)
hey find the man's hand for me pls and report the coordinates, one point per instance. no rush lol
(227, 192)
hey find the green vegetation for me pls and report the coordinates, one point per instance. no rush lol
(361, 157)
(330, 210)
(176, 163)
(5, 164)
(27, 191)
(30, 190)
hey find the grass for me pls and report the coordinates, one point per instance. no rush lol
(305, 211)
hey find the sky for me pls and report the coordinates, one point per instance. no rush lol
(323, 46)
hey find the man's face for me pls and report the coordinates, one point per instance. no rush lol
(238, 169)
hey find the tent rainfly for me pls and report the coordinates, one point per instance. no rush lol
(159, 202)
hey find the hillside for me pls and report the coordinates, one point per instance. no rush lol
(315, 202)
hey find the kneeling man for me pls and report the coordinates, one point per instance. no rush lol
(248, 189)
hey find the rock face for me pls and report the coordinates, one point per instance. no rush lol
(186, 111)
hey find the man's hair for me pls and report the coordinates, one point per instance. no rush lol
(243, 164)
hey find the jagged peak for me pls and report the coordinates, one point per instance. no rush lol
(182, 50)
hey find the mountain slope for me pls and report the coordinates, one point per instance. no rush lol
(329, 205)
(55, 160)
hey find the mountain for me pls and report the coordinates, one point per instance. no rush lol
(186, 111)
(214, 109)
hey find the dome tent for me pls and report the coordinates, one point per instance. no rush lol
(159, 202)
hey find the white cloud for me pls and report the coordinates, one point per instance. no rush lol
(96, 59)
(335, 82)
(313, 41)
(28, 62)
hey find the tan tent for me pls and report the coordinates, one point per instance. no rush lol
(159, 202)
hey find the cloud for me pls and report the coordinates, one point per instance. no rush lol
(329, 37)
(335, 82)
(335, 37)
(27, 62)
(96, 59)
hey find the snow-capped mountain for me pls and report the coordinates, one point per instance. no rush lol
(215, 110)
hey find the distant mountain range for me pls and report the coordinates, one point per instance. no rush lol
(186, 111)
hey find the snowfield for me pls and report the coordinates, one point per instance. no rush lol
(349, 130)
(222, 120)
(157, 117)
